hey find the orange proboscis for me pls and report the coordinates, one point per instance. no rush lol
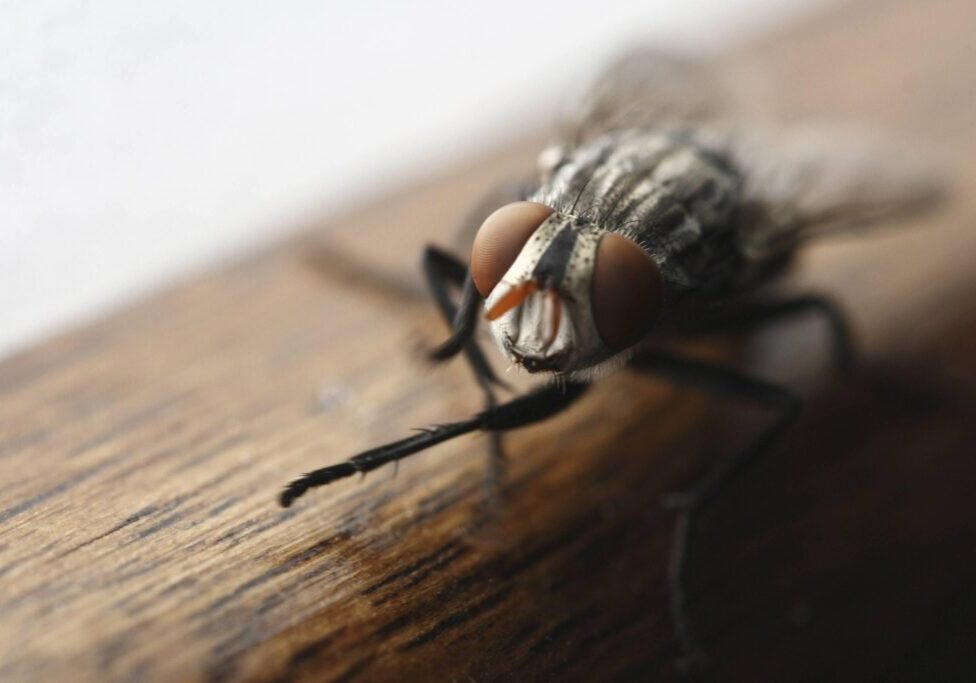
(513, 297)
(557, 312)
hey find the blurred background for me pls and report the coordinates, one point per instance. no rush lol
(140, 140)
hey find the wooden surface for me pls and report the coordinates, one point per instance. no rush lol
(140, 458)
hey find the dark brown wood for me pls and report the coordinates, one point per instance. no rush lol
(140, 457)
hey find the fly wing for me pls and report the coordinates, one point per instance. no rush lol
(802, 182)
(645, 89)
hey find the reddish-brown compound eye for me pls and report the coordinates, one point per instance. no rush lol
(500, 239)
(626, 292)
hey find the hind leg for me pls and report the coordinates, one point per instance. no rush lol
(689, 503)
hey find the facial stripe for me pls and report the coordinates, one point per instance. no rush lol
(552, 264)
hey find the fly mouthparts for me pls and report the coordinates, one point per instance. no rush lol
(512, 298)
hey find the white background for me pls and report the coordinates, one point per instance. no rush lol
(139, 140)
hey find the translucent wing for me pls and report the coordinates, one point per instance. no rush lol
(801, 182)
(648, 88)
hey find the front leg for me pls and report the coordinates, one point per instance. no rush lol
(687, 504)
(443, 271)
(536, 406)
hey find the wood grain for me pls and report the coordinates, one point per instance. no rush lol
(140, 457)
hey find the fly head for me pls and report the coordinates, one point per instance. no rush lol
(562, 294)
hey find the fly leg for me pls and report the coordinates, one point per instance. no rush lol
(761, 313)
(912, 393)
(443, 270)
(687, 504)
(536, 406)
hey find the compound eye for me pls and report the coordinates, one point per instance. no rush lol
(626, 292)
(500, 239)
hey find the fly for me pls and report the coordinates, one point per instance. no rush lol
(657, 215)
